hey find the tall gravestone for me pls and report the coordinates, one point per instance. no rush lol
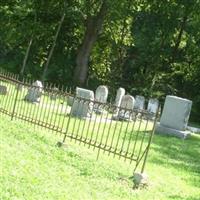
(126, 107)
(139, 102)
(35, 92)
(152, 108)
(118, 100)
(101, 95)
(82, 106)
(175, 117)
(120, 94)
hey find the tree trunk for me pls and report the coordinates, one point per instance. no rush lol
(52, 48)
(178, 41)
(93, 28)
(25, 58)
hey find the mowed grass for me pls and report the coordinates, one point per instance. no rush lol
(99, 130)
(32, 167)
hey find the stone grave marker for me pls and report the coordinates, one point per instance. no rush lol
(54, 93)
(35, 92)
(152, 107)
(127, 103)
(175, 117)
(118, 100)
(139, 102)
(120, 94)
(83, 107)
(101, 95)
(70, 100)
(3, 90)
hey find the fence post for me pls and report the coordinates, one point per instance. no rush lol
(15, 100)
(150, 140)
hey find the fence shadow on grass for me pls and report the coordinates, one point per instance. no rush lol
(177, 153)
(125, 133)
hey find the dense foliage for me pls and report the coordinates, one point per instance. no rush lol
(149, 47)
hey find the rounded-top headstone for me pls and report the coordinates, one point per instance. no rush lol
(35, 92)
(127, 102)
(126, 107)
(101, 94)
(120, 94)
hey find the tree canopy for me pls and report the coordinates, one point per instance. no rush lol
(149, 47)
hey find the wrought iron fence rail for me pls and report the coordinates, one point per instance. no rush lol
(125, 137)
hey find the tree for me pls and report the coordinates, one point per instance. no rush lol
(93, 27)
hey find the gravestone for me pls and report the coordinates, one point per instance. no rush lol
(82, 106)
(126, 107)
(152, 108)
(120, 94)
(70, 100)
(54, 93)
(139, 102)
(175, 117)
(3, 90)
(101, 95)
(35, 92)
(118, 100)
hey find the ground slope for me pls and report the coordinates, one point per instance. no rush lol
(32, 167)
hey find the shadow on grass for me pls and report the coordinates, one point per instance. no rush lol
(182, 198)
(178, 153)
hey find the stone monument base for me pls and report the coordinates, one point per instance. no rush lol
(169, 131)
(140, 179)
(193, 129)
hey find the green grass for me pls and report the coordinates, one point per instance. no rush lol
(99, 129)
(32, 167)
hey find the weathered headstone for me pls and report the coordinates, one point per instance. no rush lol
(82, 105)
(139, 102)
(70, 100)
(152, 108)
(54, 93)
(175, 117)
(101, 95)
(120, 94)
(3, 90)
(118, 100)
(35, 92)
(126, 107)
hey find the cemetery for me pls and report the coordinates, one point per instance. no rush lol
(99, 100)
(104, 127)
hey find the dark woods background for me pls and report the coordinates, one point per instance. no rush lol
(149, 47)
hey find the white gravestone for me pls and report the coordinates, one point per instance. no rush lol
(118, 100)
(152, 107)
(139, 102)
(126, 107)
(120, 94)
(35, 92)
(83, 107)
(101, 95)
(3, 90)
(175, 116)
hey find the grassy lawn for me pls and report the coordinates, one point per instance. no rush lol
(32, 167)
(100, 130)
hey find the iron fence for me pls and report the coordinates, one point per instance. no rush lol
(126, 136)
